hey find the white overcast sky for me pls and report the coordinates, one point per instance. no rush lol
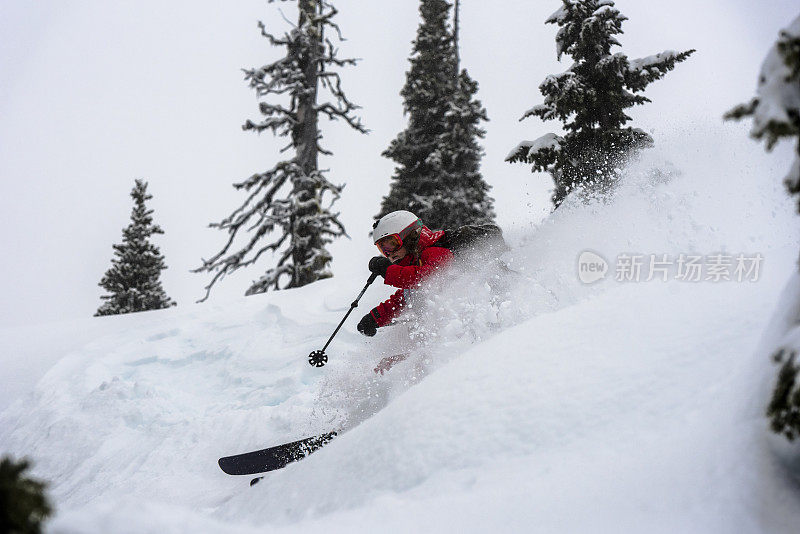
(94, 94)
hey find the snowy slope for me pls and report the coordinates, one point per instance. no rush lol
(555, 407)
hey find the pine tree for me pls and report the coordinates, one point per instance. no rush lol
(438, 156)
(287, 205)
(133, 279)
(776, 115)
(776, 109)
(590, 99)
(23, 503)
(468, 201)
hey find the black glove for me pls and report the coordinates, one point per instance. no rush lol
(367, 325)
(379, 264)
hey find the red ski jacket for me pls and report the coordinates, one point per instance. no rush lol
(409, 272)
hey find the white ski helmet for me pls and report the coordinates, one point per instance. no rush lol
(399, 222)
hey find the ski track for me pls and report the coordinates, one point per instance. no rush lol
(626, 407)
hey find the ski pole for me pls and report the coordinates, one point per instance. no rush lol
(318, 358)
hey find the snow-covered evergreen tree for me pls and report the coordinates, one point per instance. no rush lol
(288, 208)
(590, 99)
(776, 115)
(133, 281)
(438, 155)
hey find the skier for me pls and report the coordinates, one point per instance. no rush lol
(409, 253)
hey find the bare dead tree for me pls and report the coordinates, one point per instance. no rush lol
(288, 208)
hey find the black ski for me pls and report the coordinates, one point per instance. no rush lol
(273, 458)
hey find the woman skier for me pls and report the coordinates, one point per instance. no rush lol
(409, 254)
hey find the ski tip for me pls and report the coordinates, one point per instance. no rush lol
(227, 465)
(255, 481)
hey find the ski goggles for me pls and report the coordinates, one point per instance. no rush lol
(392, 243)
